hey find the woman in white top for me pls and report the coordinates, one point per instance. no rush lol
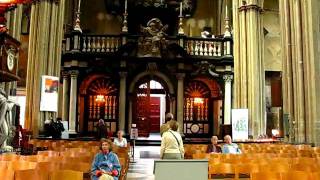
(120, 140)
(171, 143)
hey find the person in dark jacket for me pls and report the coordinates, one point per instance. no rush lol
(57, 129)
(214, 147)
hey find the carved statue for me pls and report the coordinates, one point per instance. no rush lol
(4, 124)
(153, 39)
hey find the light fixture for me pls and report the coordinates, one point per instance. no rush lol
(198, 100)
(100, 98)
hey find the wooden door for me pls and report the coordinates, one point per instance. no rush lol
(155, 114)
(142, 110)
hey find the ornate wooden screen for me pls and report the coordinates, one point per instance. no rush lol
(196, 109)
(102, 103)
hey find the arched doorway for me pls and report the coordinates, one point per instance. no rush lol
(150, 104)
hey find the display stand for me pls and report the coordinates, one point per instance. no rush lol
(133, 136)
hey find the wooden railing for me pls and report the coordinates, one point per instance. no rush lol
(98, 43)
(219, 47)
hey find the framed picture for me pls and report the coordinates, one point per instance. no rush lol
(49, 93)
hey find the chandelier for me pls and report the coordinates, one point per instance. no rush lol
(7, 5)
(100, 98)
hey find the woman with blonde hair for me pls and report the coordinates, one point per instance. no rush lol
(171, 143)
(105, 165)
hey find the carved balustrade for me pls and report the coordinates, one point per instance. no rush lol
(218, 47)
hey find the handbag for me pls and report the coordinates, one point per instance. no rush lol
(178, 144)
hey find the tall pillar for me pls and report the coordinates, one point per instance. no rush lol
(130, 114)
(172, 105)
(180, 100)
(248, 61)
(122, 100)
(65, 96)
(73, 101)
(227, 99)
(44, 56)
(300, 35)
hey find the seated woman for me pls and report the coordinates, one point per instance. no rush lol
(120, 141)
(105, 165)
(229, 147)
(214, 147)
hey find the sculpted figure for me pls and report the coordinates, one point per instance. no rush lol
(153, 39)
(4, 127)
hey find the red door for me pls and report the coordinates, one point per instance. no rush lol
(155, 114)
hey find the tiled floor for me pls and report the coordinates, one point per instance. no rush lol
(141, 167)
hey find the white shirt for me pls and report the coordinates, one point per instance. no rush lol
(169, 143)
(119, 143)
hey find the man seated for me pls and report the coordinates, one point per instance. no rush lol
(229, 147)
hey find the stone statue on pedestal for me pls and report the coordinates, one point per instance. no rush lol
(4, 123)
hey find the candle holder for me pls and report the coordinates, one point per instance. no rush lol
(181, 30)
(125, 15)
(125, 22)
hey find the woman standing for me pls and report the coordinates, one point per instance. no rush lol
(105, 165)
(171, 143)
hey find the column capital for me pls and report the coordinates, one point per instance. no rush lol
(65, 74)
(180, 76)
(255, 7)
(123, 74)
(227, 77)
(74, 73)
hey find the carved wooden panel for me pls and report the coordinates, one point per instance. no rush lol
(197, 103)
(102, 103)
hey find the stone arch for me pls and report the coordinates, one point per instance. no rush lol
(88, 80)
(158, 74)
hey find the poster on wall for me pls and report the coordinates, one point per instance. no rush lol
(49, 93)
(240, 128)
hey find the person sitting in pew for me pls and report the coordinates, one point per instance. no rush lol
(120, 141)
(105, 165)
(229, 147)
(214, 147)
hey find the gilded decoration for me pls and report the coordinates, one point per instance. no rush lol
(153, 39)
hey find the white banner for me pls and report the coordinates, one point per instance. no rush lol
(49, 93)
(240, 128)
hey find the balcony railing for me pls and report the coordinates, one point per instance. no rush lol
(219, 47)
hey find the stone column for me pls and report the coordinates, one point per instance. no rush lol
(180, 100)
(130, 114)
(65, 96)
(172, 105)
(44, 56)
(122, 100)
(227, 99)
(300, 33)
(248, 62)
(73, 102)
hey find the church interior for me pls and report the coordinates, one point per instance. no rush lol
(75, 71)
